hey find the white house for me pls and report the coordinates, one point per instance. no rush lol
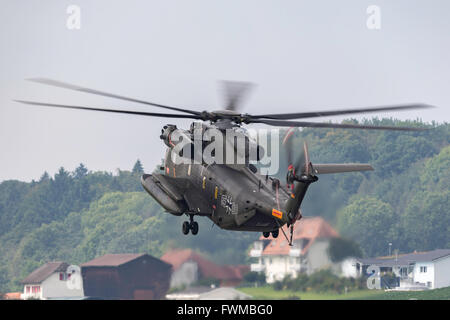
(418, 270)
(308, 254)
(53, 280)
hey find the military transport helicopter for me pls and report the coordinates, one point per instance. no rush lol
(234, 197)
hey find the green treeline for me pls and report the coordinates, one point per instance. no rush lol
(77, 216)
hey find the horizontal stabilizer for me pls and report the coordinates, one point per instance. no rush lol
(340, 168)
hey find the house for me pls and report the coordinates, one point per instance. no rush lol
(126, 276)
(190, 267)
(415, 271)
(52, 280)
(308, 254)
(12, 296)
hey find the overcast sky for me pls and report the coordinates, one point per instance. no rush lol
(303, 56)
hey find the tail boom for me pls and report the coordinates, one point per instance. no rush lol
(340, 168)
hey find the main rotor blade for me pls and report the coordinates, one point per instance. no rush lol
(139, 113)
(301, 115)
(287, 142)
(69, 86)
(283, 123)
(234, 93)
(327, 168)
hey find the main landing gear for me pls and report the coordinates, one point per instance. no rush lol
(190, 225)
(274, 234)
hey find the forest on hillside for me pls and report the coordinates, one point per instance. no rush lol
(76, 216)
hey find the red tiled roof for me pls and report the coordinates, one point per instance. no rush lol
(309, 228)
(208, 269)
(241, 270)
(112, 260)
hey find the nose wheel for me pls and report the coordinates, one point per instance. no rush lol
(190, 226)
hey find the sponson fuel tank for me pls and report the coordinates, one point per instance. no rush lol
(153, 186)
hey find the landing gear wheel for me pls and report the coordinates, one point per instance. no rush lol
(186, 227)
(275, 233)
(194, 227)
(266, 234)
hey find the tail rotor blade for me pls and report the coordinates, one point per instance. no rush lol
(307, 161)
(287, 143)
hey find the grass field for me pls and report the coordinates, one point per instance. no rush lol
(270, 294)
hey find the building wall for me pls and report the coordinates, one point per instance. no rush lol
(317, 256)
(185, 275)
(145, 278)
(52, 287)
(442, 272)
(275, 267)
(142, 278)
(101, 282)
(31, 295)
(424, 277)
(348, 268)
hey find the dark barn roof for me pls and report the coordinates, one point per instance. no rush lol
(45, 271)
(112, 260)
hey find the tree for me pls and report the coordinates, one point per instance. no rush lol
(255, 277)
(436, 174)
(138, 168)
(395, 152)
(80, 172)
(369, 222)
(44, 177)
(426, 222)
(341, 248)
(3, 280)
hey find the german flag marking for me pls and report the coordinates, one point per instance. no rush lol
(277, 213)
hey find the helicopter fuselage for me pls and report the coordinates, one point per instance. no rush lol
(234, 199)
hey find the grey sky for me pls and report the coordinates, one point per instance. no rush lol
(303, 55)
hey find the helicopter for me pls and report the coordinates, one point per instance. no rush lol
(235, 196)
